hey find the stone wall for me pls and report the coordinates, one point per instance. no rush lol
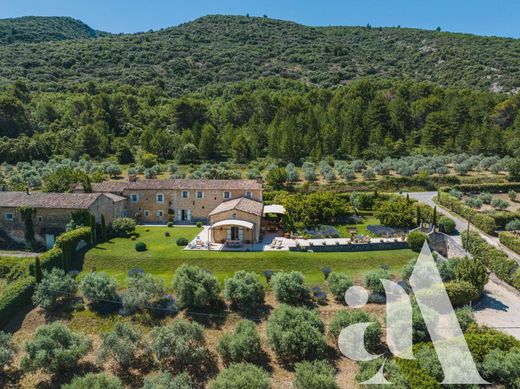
(446, 245)
(376, 246)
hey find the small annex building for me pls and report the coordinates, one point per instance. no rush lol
(52, 212)
(236, 222)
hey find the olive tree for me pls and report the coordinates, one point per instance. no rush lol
(242, 375)
(195, 287)
(54, 348)
(315, 375)
(244, 290)
(339, 283)
(181, 343)
(373, 281)
(99, 289)
(7, 350)
(343, 319)
(121, 345)
(144, 293)
(241, 345)
(165, 380)
(94, 381)
(55, 289)
(295, 333)
(289, 288)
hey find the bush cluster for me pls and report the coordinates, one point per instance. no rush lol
(510, 240)
(289, 288)
(241, 345)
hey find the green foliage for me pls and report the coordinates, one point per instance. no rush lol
(494, 259)
(182, 242)
(33, 29)
(503, 367)
(511, 240)
(344, 318)
(164, 380)
(396, 212)
(68, 242)
(482, 340)
(181, 343)
(241, 345)
(295, 333)
(289, 288)
(242, 375)
(195, 287)
(27, 214)
(54, 348)
(513, 225)
(144, 293)
(415, 240)
(393, 374)
(244, 290)
(461, 293)
(7, 350)
(448, 225)
(276, 178)
(15, 296)
(140, 246)
(64, 178)
(94, 381)
(99, 289)
(499, 204)
(315, 375)
(122, 345)
(484, 222)
(338, 284)
(122, 226)
(309, 210)
(465, 317)
(472, 270)
(373, 281)
(514, 170)
(55, 290)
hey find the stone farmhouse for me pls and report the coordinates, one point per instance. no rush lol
(53, 212)
(233, 208)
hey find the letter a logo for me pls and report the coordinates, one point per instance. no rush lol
(438, 314)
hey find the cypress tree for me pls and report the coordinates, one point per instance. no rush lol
(434, 217)
(103, 229)
(38, 274)
(419, 216)
(93, 239)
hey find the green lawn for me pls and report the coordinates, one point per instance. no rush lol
(344, 229)
(163, 256)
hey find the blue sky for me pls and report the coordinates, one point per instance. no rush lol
(484, 17)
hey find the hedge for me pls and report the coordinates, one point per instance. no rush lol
(483, 221)
(503, 217)
(495, 260)
(16, 295)
(510, 240)
(487, 187)
(49, 260)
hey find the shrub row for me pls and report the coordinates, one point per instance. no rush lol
(49, 260)
(510, 240)
(483, 221)
(503, 217)
(487, 187)
(15, 296)
(496, 260)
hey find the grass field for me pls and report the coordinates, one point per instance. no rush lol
(163, 256)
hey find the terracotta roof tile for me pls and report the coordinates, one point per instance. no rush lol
(48, 200)
(194, 184)
(240, 204)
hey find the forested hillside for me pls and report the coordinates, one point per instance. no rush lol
(234, 48)
(33, 29)
(281, 119)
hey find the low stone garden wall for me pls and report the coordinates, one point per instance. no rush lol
(375, 246)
